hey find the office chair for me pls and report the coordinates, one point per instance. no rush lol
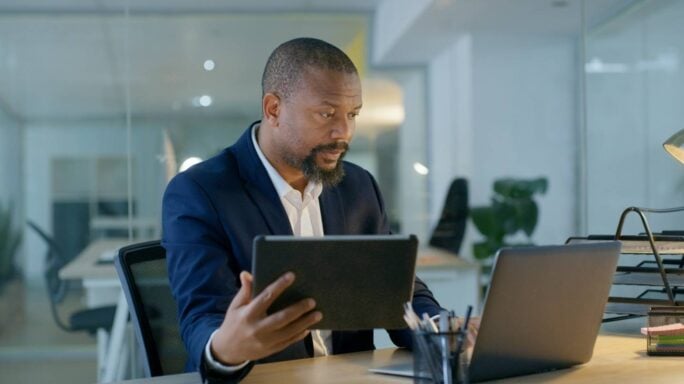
(449, 231)
(90, 319)
(144, 278)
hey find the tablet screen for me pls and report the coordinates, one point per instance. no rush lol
(358, 282)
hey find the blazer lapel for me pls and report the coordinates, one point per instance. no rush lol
(258, 185)
(271, 209)
(332, 213)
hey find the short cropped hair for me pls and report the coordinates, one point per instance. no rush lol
(287, 63)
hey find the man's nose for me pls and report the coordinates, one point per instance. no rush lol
(343, 129)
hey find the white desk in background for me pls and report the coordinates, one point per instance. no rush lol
(453, 280)
(85, 267)
(141, 226)
(102, 287)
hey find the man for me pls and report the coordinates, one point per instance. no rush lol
(285, 175)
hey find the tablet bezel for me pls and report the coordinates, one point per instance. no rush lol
(358, 281)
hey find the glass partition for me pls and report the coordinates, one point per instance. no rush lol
(633, 94)
(100, 105)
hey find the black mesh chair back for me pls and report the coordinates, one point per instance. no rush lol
(90, 319)
(53, 263)
(450, 229)
(144, 278)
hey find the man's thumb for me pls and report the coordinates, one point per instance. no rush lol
(244, 295)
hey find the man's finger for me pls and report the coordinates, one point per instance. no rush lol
(264, 300)
(303, 323)
(286, 343)
(244, 295)
(287, 315)
(293, 332)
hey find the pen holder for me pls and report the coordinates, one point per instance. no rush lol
(665, 332)
(432, 350)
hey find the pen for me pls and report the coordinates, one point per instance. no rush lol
(444, 329)
(428, 324)
(461, 336)
(452, 321)
(467, 318)
(421, 330)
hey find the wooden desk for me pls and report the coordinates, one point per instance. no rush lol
(617, 359)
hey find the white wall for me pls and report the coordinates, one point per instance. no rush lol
(413, 193)
(450, 137)
(451, 132)
(524, 123)
(505, 106)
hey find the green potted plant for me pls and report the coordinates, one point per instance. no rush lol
(9, 242)
(512, 210)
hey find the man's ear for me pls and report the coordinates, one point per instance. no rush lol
(271, 107)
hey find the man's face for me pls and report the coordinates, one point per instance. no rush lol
(317, 122)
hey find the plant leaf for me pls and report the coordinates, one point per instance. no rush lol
(481, 250)
(526, 214)
(485, 249)
(504, 212)
(540, 185)
(487, 222)
(520, 188)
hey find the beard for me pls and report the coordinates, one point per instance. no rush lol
(313, 172)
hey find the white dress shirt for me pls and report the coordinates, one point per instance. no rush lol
(304, 212)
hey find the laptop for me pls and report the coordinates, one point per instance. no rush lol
(542, 312)
(358, 281)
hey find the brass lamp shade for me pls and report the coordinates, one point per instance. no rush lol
(675, 146)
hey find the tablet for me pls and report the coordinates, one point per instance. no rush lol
(358, 282)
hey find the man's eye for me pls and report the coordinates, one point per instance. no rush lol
(327, 115)
(353, 115)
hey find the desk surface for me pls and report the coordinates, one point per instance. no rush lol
(620, 359)
(85, 266)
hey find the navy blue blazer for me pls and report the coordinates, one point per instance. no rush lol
(211, 214)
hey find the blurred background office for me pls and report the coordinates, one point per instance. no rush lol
(101, 101)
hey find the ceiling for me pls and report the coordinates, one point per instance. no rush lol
(188, 6)
(75, 64)
(443, 19)
(80, 59)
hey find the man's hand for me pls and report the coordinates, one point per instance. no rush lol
(248, 333)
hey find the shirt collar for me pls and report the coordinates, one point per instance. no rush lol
(281, 186)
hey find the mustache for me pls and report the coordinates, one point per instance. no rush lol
(334, 146)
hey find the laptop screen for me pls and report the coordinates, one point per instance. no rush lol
(542, 312)
(543, 309)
